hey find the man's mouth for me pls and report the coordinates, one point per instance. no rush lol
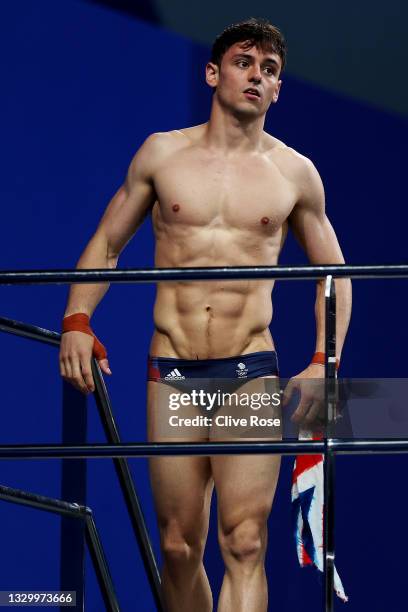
(252, 93)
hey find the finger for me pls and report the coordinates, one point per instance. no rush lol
(77, 379)
(104, 365)
(62, 369)
(301, 410)
(287, 393)
(313, 412)
(68, 368)
(86, 372)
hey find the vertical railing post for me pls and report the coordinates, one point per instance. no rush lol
(128, 488)
(73, 488)
(329, 457)
(100, 564)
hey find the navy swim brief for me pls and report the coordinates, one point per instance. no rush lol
(216, 389)
(236, 370)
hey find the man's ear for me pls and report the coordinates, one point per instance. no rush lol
(276, 94)
(211, 74)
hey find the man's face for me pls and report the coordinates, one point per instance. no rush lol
(243, 68)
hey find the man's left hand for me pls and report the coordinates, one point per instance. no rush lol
(310, 386)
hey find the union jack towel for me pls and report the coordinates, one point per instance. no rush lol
(307, 507)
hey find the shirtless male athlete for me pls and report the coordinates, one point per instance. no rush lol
(221, 194)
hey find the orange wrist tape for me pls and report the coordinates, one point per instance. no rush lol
(321, 359)
(80, 322)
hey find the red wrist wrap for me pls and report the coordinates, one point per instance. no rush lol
(80, 322)
(321, 359)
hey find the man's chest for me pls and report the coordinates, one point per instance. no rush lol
(244, 192)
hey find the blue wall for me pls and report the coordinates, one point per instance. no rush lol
(74, 110)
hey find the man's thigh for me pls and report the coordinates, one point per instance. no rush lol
(250, 412)
(245, 486)
(168, 420)
(181, 485)
(182, 488)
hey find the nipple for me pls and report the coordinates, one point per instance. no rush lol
(175, 207)
(265, 220)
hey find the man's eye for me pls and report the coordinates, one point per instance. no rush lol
(242, 63)
(269, 70)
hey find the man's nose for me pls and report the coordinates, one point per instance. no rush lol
(255, 74)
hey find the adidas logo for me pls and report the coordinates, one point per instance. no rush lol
(174, 375)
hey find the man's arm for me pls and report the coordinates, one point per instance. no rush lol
(120, 221)
(315, 234)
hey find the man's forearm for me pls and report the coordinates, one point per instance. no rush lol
(343, 313)
(86, 297)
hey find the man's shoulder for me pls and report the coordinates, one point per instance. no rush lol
(155, 150)
(294, 165)
(161, 142)
(278, 149)
(159, 146)
(174, 139)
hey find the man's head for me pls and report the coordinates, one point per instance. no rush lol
(248, 54)
(259, 32)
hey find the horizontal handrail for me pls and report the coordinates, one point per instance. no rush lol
(152, 275)
(33, 332)
(50, 504)
(153, 449)
(363, 446)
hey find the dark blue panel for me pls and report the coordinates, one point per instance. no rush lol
(143, 9)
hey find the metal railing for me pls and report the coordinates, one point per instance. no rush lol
(64, 508)
(329, 447)
(153, 275)
(122, 471)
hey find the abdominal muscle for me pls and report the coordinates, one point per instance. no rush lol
(209, 320)
(213, 319)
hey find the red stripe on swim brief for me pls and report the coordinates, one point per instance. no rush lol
(153, 372)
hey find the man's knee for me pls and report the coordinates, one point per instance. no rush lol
(245, 542)
(180, 545)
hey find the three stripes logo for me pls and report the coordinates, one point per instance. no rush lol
(174, 375)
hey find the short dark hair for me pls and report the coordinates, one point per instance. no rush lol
(259, 32)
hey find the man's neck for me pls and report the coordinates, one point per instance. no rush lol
(231, 133)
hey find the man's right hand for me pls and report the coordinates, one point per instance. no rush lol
(75, 361)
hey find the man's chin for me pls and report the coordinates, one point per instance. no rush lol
(243, 109)
(248, 111)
